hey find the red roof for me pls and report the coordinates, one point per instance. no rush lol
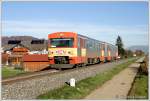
(36, 57)
(20, 49)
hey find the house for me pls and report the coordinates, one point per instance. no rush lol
(16, 49)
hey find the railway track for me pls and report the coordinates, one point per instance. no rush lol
(40, 74)
(28, 76)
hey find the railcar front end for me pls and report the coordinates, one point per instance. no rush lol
(62, 50)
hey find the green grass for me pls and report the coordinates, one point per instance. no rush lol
(140, 88)
(84, 87)
(9, 72)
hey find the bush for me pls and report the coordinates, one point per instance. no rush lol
(18, 67)
(144, 66)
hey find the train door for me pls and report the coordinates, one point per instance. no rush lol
(105, 52)
(102, 52)
(80, 50)
(79, 47)
(109, 53)
(83, 50)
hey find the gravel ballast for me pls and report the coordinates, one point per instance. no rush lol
(30, 89)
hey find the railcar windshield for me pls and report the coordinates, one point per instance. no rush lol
(61, 42)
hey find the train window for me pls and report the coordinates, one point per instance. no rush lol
(78, 42)
(98, 48)
(87, 44)
(108, 48)
(83, 43)
(102, 46)
(61, 42)
(90, 44)
(95, 45)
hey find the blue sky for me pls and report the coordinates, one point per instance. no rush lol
(100, 20)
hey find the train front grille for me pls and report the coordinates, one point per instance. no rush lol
(61, 59)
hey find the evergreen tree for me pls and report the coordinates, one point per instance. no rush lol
(119, 43)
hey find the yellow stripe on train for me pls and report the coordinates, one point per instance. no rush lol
(71, 52)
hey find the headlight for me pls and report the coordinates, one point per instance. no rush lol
(70, 52)
(50, 52)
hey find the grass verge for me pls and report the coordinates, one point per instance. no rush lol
(9, 72)
(139, 88)
(84, 87)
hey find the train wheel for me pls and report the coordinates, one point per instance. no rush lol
(76, 66)
(83, 64)
(93, 61)
(90, 60)
(98, 60)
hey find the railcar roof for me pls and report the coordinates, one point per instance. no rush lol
(97, 40)
(87, 38)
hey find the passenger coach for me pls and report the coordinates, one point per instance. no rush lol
(69, 49)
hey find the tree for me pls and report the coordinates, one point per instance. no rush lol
(119, 43)
(139, 52)
(128, 53)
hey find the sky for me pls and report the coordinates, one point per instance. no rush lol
(103, 21)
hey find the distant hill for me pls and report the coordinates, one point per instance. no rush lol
(22, 38)
(139, 47)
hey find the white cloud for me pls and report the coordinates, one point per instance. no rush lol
(101, 32)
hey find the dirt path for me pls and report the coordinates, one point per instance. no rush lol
(118, 87)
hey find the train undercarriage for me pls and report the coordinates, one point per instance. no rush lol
(63, 62)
